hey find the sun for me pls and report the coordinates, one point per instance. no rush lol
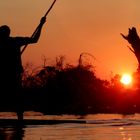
(126, 79)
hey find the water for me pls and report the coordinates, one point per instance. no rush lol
(97, 127)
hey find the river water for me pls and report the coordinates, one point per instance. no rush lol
(96, 127)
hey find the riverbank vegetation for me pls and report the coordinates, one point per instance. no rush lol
(67, 89)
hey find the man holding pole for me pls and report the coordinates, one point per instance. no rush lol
(11, 66)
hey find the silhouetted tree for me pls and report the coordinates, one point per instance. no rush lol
(68, 89)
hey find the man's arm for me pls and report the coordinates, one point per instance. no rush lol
(21, 41)
(132, 37)
(37, 33)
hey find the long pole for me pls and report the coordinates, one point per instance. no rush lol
(38, 25)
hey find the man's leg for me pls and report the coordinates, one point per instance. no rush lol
(20, 115)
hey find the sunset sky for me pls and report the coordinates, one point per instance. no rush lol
(76, 26)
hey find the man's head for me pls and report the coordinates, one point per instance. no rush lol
(4, 31)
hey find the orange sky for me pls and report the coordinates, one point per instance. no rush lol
(76, 26)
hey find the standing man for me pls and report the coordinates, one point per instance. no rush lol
(11, 66)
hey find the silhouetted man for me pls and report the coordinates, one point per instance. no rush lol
(11, 66)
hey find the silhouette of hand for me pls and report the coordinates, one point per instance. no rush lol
(132, 36)
(43, 20)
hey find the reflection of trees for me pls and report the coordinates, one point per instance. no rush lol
(11, 133)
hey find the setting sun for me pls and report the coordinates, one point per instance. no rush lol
(126, 79)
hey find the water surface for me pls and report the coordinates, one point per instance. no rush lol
(97, 127)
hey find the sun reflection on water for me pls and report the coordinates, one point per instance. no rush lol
(124, 133)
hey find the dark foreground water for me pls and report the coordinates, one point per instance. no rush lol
(97, 127)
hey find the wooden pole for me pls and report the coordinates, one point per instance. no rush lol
(39, 25)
